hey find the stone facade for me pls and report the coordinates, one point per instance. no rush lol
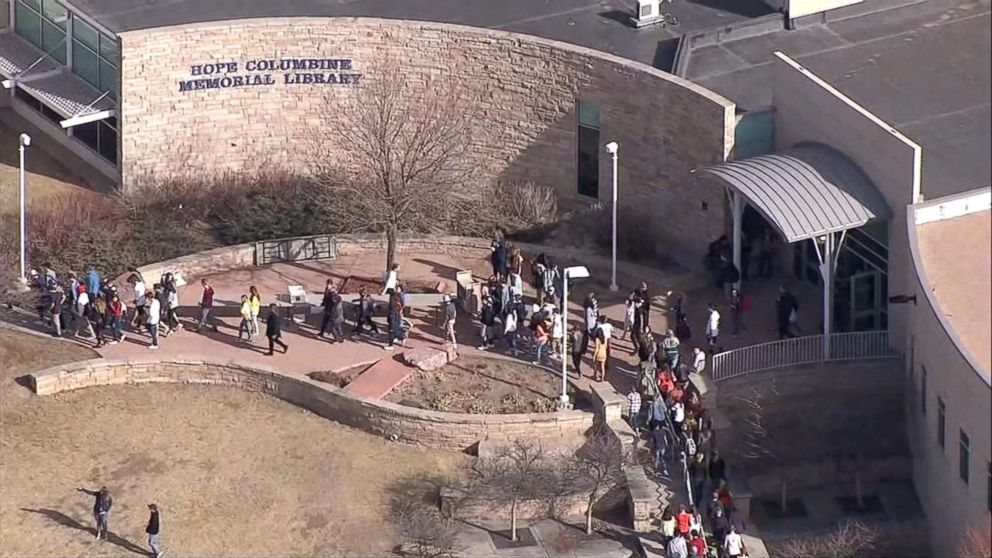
(453, 431)
(522, 90)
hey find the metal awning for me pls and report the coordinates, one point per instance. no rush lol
(25, 66)
(806, 192)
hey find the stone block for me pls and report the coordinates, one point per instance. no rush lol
(426, 358)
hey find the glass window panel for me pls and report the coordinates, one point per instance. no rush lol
(82, 32)
(53, 39)
(964, 456)
(108, 78)
(941, 422)
(87, 133)
(588, 114)
(588, 164)
(108, 49)
(54, 12)
(35, 4)
(28, 24)
(85, 64)
(108, 143)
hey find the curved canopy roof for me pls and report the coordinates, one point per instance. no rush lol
(808, 191)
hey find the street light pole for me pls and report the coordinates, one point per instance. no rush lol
(575, 272)
(612, 148)
(25, 140)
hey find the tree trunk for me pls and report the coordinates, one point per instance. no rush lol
(391, 233)
(589, 515)
(513, 520)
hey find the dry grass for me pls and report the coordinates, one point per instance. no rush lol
(235, 473)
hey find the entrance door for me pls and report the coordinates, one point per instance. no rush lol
(866, 296)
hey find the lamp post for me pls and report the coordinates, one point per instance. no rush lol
(612, 148)
(575, 272)
(25, 140)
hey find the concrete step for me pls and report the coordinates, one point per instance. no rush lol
(381, 378)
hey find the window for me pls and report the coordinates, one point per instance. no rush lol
(43, 23)
(99, 136)
(588, 170)
(964, 455)
(941, 422)
(94, 57)
(923, 390)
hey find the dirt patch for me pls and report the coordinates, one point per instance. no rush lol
(484, 386)
(340, 378)
(223, 464)
(353, 283)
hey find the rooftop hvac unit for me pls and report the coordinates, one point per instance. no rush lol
(648, 12)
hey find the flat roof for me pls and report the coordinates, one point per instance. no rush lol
(589, 23)
(925, 68)
(956, 254)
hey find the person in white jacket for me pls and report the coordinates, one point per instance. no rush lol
(152, 318)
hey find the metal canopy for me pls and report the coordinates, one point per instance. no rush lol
(806, 192)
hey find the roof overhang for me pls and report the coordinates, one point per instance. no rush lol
(806, 192)
(24, 66)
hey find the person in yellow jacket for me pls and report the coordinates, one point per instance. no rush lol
(256, 305)
(245, 327)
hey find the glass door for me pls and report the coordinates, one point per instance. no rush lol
(866, 297)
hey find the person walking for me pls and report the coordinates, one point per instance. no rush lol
(101, 510)
(206, 305)
(172, 310)
(117, 312)
(591, 313)
(659, 442)
(634, 409)
(153, 316)
(366, 309)
(244, 328)
(93, 281)
(510, 332)
(152, 529)
(394, 321)
(786, 310)
(629, 311)
(98, 319)
(487, 319)
(450, 317)
(273, 330)
(139, 301)
(331, 304)
(256, 307)
(712, 326)
(672, 348)
(541, 334)
(733, 544)
(391, 279)
(576, 349)
(677, 547)
(599, 356)
(81, 311)
(737, 308)
(56, 308)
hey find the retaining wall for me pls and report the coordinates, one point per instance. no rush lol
(451, 431)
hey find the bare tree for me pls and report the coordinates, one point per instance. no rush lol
(427, 532)
(762, 440)
(407, 144)
(975, 543)
(598, 468)
(852, 539)
(515, 473)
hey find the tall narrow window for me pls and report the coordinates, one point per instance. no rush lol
(941, 422)
(988, 488)
(923, 390)
(94, 57)
(43, 23)
(588, 152)
(964, 455)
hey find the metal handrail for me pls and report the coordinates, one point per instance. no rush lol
(800, 350)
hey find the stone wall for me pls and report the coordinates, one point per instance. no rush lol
(522, 91)
(452, 431)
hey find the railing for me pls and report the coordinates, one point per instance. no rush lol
(295, 249)
(801, 350)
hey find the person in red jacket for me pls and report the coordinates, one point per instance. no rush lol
(684, 519)
(698, 543)
(116, 310)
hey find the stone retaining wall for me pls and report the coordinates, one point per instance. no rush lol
(451, 431)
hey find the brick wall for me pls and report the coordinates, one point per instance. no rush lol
(453, 431)
(523, 91)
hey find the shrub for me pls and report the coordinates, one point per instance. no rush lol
(639, 234)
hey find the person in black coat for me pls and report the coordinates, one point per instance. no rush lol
(152, 529)
(273, 330)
